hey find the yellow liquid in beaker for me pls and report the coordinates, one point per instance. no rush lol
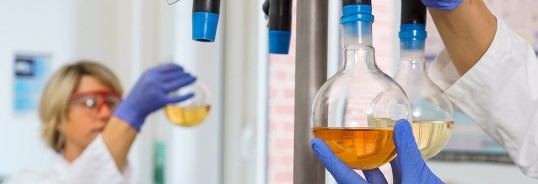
(431, 136)
(187, 117)
(359, 148)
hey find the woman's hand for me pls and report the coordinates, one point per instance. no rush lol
(151, 93)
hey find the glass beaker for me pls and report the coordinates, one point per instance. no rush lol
(354, 112)
(191, 112)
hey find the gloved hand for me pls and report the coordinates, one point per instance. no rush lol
(442, 4)
(151, 92)
(408, 167)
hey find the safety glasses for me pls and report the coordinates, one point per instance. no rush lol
(96, 100)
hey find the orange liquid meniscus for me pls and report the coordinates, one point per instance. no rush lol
(360, 148)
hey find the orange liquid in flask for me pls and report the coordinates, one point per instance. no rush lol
(360, 148)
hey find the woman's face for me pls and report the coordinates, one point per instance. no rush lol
(91, 105)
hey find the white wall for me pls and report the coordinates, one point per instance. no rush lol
(38, 26)
(245, 93)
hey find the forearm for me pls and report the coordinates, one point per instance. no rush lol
(500, 94)
(467, 32)
(118, 137)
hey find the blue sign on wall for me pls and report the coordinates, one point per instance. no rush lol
(31, 74)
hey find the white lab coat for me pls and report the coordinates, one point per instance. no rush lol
(94, 166)
(500, 93)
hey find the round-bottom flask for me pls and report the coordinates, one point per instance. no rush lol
(431, 109)
(355, 111)
(191, 112)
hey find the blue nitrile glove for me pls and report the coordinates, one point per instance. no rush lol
(413, 169)
(442, 4)
(408, 167)
(340, 171)
(151, 92)
(396, 173)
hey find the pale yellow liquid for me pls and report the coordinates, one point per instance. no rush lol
(359, 148)
(431, 136)
(187, 117)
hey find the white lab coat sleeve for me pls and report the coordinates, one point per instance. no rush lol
(96, 165)
(32, 175)
(500, 93)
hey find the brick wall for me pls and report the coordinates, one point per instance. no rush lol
(281, 110)
(281, 95)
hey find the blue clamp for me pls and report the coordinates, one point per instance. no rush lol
(279, 41)
(204, 26)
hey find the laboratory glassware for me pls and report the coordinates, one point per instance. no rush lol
(193, 111)
(355, 110)
(431, 109)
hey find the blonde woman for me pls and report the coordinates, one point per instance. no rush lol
(86, 121)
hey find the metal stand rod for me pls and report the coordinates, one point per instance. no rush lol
(310, 74)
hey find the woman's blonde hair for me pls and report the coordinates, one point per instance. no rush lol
(54, 103)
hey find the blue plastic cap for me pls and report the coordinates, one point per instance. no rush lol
(353, 13)
(204, 26)
(357, 17)
(356, 9)
(413, 36)
(279, 41)
(413, 31)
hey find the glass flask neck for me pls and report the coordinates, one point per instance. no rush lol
(357, 38)
(412, 60)
(358, 57)
(412, 42)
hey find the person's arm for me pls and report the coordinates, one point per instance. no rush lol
(498, 90)
(118, 137)
(467, 32)
(150, 93)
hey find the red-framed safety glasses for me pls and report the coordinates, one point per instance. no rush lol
(96, 100)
